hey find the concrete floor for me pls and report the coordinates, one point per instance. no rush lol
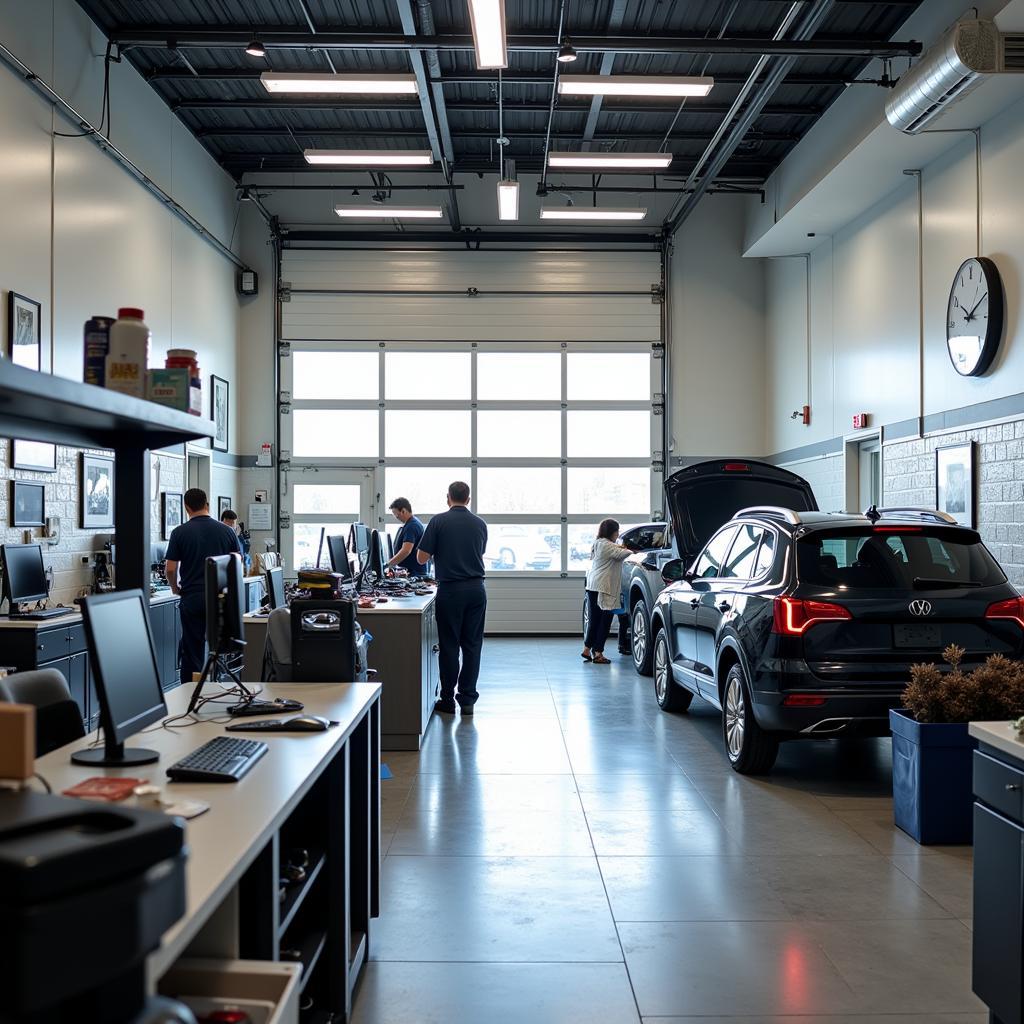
(573, 855)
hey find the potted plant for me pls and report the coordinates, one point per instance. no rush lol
(931, 748)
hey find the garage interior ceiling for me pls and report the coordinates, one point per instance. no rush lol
(192, 52)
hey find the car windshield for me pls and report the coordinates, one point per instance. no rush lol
(894, 558)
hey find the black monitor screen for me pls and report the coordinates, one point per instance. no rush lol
(361, 543)
(275, 587)
(224, 603)
(24, 575)
(375, 559)
(339, 556)
(123, 662)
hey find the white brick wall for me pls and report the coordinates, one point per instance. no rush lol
(908, 471)
(826, 476)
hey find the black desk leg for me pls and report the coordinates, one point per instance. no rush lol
(375, 784)
(131, 518)
(338, 948)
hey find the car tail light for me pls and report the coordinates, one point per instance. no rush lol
(898, 529)
(793, 616)
(802, 700)
(736, 467)
(1013, 608)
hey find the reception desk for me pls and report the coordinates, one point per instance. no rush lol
(403, 653)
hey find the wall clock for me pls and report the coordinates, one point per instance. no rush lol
(974, 316)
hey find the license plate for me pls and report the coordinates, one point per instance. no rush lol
(918, 636)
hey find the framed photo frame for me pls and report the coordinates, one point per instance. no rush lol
(28, 503)
(220, 412)
(40, 456)
(954, 481)
(97, 489)
(24, 331)
(223, 504)
(172, 512)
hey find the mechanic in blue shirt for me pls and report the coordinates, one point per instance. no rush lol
(188, 548)
(407, 540)
(456, 540)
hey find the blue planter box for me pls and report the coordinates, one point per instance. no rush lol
(931, 780)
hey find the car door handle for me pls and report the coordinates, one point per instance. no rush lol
(724, 606)
(694, 601)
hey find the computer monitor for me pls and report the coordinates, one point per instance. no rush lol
(361, 543)
(24, 574)
(124, 670)
(225, 604)
(339, 556)
(275, 587)
(391, 546)
(375, 562)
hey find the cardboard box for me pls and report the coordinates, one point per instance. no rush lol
(174, 389)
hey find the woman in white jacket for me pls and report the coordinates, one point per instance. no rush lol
(604, 589)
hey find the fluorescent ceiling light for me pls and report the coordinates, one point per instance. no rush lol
(508, 200)
(488, 21)
(386, 212)
(610, 160)
(593, 212)
(634, 85)
(373, 85)
(369, 157)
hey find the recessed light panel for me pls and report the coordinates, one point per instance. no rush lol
(593, 212)
(611, 161)
(386, 212)
(369, 157)
(634, 85)
(365, 85)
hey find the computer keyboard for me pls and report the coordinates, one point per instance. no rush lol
(223, 759)
(43, 613)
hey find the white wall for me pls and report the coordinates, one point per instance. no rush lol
(717, 334)
(82, 236)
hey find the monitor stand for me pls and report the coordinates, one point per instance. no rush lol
(115, 755)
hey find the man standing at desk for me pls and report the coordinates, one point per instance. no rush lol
(456, 540)
(187, 550)
(407, 539)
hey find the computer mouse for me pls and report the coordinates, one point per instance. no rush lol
(309, 723)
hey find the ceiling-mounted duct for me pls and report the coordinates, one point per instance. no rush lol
(968, 52)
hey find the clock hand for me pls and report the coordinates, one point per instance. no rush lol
(970, 316)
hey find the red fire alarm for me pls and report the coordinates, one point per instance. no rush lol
(860, 420)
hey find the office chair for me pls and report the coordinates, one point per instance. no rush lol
(58, 717)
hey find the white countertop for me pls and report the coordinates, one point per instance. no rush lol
(226, 839)
(73, 616)
(1001, 735)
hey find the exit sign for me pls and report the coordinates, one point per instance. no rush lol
(860, 420)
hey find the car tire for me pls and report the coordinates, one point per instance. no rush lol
(667, 692)
(751, 750)
(640, 639)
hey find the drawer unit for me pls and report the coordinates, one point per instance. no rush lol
(999, 785)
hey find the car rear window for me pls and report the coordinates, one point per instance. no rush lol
(865, 558)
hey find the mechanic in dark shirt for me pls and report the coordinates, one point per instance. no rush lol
(456, 540)
(407, 539)
(187, 550)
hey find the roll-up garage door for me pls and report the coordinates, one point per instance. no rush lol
(534, 376)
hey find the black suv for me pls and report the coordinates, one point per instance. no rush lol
(805, 624)
(701, 498)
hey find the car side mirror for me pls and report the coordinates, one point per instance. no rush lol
(674, 571)
(650, 562)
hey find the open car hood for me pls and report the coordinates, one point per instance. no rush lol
(705, 495)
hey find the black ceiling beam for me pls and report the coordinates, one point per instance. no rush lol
(211, 103)
(407, 133)
(170, 74)
(273, 37)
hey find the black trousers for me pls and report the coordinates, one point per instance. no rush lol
(460, 608)
(599, 626)
(192, 652)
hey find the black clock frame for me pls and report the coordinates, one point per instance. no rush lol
(996, 310)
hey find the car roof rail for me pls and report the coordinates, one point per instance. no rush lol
(918, 512)
(773, 511)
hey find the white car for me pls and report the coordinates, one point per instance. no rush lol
(513, 547)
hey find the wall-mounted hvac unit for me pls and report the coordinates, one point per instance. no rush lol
(964, 56)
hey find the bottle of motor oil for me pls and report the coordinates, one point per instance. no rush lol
(97, 345)
(128, 356)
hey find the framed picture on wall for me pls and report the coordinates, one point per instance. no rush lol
(223, 504)
(40, 456)
(97, 492)
(172, 512)
(24, 330)
(954, 482)
(219, 413)
(28, 503)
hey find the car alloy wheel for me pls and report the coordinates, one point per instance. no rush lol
(661, 669)
(735, 717)
(639, 628)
